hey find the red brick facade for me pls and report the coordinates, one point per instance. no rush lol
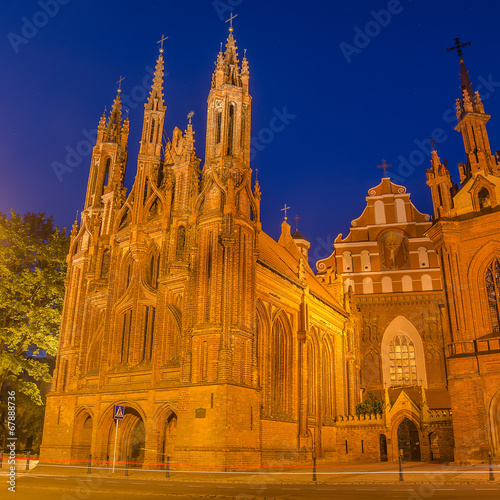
(465, 234)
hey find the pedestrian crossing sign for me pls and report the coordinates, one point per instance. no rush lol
(119, 411)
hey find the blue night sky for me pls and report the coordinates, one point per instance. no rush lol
(356, 81)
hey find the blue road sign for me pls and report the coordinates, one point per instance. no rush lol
(119, 412)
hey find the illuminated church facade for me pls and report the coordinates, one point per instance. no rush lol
(222, 344)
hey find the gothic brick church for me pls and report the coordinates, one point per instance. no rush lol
(223, 345)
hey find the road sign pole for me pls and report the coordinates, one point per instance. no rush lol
(116, 438)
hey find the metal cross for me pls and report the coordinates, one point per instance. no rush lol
(190, 115)
(458, 47)
(385, 166)
(284, 210)
(297, 222)
(230, 21)
(163, 38)
(119, 82)
(433, 144)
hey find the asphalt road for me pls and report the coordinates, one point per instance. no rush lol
(95, 488)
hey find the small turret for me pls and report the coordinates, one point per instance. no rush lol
(442, 187)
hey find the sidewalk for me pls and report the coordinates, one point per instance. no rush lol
(358, 474)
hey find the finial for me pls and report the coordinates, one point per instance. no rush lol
(244, 53)
(163, 38)
(190, 115)
(384, 166)
(458, 47)
(284, 210)
(230, 21)
(256, 175)
(297, 222)
(220, 50)
(119, 82)
(433, 144)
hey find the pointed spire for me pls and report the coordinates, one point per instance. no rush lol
(101, 127)
(113, 128)
(155, 100)
(465, 83)
(227, 66)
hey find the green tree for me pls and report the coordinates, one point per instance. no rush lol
(32, 272)
(372, 404)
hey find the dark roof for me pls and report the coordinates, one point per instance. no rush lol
(298, 236)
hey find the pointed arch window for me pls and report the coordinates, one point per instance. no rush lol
(280, 367)
(152, 130)
(311, 378)
(402, 361)
(126, 331)
(493, 292)
(106, 172)
(230, 130)
(149, 328)
(153, 269)
(218, 126)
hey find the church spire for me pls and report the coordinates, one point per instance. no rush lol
(154, 111)
(472, 125)
(109, 156)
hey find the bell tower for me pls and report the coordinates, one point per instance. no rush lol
(471, 124)
(222, 371)
(465, 237)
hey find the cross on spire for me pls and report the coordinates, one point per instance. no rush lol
(458, 47)
(119, 82)
(163, 38)
(384, 166)
(230, 21)
(190, 115)
(284, 210)
(297, 222)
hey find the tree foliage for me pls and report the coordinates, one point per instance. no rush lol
(32, 271)
(372, 404)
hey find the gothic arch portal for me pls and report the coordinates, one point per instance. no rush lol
(82, 435)
(165, 420)
(397, 327)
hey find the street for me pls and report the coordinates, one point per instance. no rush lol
(97, 488)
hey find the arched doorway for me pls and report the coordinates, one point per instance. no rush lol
(409, 441)
(82, 437)
(383, 448)
(131, 438)
(434, 446)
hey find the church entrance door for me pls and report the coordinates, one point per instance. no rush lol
(408, 440)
